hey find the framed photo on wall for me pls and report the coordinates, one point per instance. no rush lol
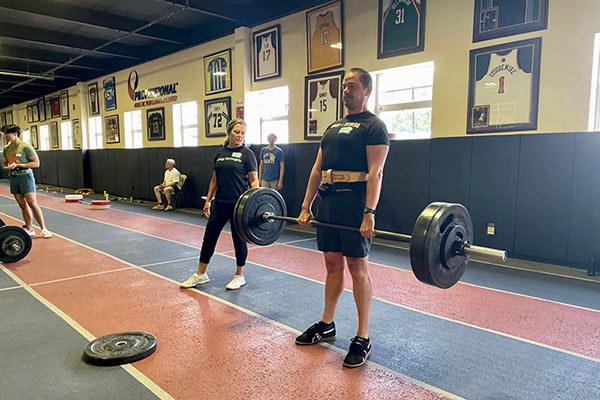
(324, 32)
(3, 119)
(217, 72)
(64, 104)
(267, 53)
(93, 100)
(36, 115)
(504, 85)
(322, 103)
(495, 18)
(401, 27)
(77, 139)
(48, 106)
(156, 123)
(110, 94)
(42, 110)
(218, 114)
(35, 142)
(55, 106)
(54, 135)
(29, 114)
(9, 118)
(111, 127)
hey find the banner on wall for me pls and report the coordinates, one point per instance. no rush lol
(159, 94)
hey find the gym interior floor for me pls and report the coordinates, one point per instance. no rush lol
(503, 332)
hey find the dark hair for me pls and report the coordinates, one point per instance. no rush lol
(364, 76)
(12, 128)
(230, 125)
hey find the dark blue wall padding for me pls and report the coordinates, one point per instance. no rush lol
(543, 197)
(540, 190)
(405, 190)
(584, 213)
(450, 170)
(493, 194)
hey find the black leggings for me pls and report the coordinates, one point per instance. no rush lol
(220, 213)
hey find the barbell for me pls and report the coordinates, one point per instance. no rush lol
(440, 244)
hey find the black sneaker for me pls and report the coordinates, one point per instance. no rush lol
(318, 332)
(360, 350)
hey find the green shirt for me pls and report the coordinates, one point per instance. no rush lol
(21, 153)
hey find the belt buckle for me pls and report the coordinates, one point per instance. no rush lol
(327, 177)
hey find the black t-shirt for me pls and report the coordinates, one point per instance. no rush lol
(231, 167)
(343, 146)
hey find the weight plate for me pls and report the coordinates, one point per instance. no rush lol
(431, 247)
(248, 218)
(2, 223)
(120, 348)
(15, 244)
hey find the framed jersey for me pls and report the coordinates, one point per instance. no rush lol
(9, 118)
(77, 139)
(111, 127)
(500, 18)
(64, 104)
(93, 100)
(504, 85)
(267, 53)
(42, 110)
(217, 72)
(110, 94)
(401, 27)
(34, 137)
(54, 135)
(3, 119)
(322, 103)
(155, 118)
(218, 114)
(324, 35)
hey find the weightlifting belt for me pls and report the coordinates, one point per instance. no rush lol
(330, 176)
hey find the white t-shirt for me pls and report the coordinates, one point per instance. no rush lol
(172, 176)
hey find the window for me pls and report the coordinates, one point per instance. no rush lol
(267, 112)
(25, 136)
(66, 136)
(403, 100)
(185, 124)
(44, 137)
(133, 129)
(594, 116)
(95, 132)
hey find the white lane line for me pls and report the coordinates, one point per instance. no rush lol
(143, 379)
(79, 276)
(10, 288)
(169, 262)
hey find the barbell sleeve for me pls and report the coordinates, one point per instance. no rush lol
(485, 253)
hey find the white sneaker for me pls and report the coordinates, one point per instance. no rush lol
(196, 279)
(30, 232)
(159, 206)
(237, 282)
(169, 208)
(46, 233)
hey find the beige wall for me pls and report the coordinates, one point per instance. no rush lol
(566, 67)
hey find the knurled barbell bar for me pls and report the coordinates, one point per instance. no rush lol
(440, 244)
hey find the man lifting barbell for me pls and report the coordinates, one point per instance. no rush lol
(347, 174)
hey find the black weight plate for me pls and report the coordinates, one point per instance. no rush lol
(15, 244)
(2, 223)
(431, 257)
(248, 216)
(120, 348)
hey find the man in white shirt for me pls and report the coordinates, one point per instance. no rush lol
(168, 187)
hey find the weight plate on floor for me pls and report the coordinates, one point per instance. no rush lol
(432, 243)
(15, 244)
(120, 348)
(248, 216)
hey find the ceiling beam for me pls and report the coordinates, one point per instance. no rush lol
(202, 10)
(62, 40)
(82, 16)
(45, 62)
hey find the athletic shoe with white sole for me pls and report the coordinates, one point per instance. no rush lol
(195, 280)
(46, 233)
(317, 332)
(237, 282)
(30, 232)
(169, 208)
(360, 350)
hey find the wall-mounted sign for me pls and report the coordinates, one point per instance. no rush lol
(159, 94)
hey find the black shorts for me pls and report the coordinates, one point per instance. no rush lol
(342, 208)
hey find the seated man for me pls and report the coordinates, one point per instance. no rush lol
(168, 187)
